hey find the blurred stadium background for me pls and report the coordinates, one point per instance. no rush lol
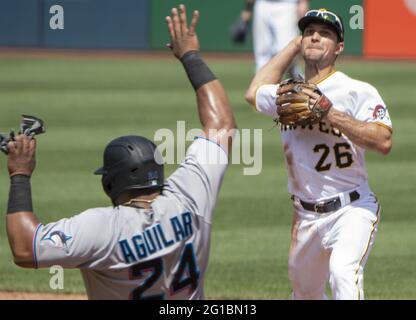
(114, 78)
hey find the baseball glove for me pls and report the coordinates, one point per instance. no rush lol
(294, 107)
(239, 31)
(29, 125)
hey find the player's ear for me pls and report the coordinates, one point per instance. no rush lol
(340, 48)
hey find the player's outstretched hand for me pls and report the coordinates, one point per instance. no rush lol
(182, 37)
(21, 158)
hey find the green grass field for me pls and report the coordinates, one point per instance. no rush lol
(86, 102)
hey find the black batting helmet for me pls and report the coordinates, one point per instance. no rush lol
(323, 16)
(131, 162)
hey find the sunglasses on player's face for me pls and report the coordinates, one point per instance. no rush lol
(326, 15)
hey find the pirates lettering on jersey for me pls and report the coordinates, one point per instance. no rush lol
(321, 126)
(154, 239)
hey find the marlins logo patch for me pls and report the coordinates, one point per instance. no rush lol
(379, 112)
(57, 239)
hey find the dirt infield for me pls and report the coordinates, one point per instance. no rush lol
(105, 54)
(51, 296)
(40, 296)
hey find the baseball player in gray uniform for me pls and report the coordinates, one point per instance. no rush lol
(153, 243)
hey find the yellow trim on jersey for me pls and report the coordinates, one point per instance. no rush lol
(366, 250)
(384, 126)
(255, 99)
(326, 77)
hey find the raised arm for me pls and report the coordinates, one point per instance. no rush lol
(273, 71)
(213, 106)
(21, 222)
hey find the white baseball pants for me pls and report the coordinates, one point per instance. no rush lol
(332, 246)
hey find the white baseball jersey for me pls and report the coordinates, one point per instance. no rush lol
(132, 253)
(321, 161)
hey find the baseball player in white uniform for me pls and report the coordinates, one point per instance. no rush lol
(335, 212)
(274, 26)
(153, 243)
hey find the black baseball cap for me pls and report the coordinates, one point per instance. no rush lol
(323, 16)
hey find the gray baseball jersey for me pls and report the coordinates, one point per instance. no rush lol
(132, 253)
